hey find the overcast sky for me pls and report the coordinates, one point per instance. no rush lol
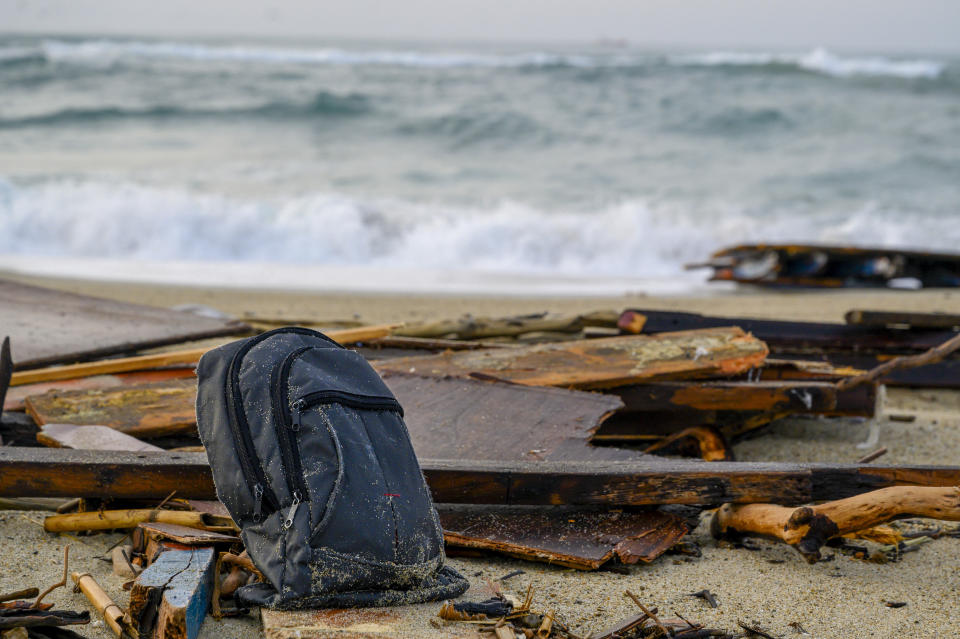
(896, 25)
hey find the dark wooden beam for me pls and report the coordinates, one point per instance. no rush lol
(53, 472)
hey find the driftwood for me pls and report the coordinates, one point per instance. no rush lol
(599, 363)
(17, 394)
(60, 472)
(471, 328)
(174, 358)
(170, 599)
(574, 538)
(90, 438)
(111, 613)
(931, 356)
(698, 441)
(809, 527)
(907, 319)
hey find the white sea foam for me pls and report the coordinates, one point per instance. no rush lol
(822, 61)
(628, 242)
(106, 52)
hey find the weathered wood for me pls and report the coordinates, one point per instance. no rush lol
(574, 538)
(698, 441)
(6, 373)
(170, 599)
(599, 363)
(17, 394)
(451, 418)
(481, 327)
(60, 472)
(809, 527)
(186, 535)
(90, 438)
(357, 623)
(904, 319)
(172, 358)
(808, 397)
(146, 410)
(47, 326)
(788, 336)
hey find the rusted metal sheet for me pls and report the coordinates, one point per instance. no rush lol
(600, 363)
(17, 394)
(575, 538)
(832, 266)
(146, 410)
(358, 623)
(47, 326)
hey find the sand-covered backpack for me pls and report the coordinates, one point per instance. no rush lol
(312, 459)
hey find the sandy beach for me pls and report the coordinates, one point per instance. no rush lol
(770, 585)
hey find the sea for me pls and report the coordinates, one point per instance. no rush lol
(596, 168)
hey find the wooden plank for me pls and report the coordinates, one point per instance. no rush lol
(48, 326)
(170, 599)
(794, 397)
(786, 336)
(903, 320)
(90, 438)
(60, 472)
(173, 358)
(6, 372)
(599, 363)
(574, 538)
(145, 410)
(185, 534)
(17, 394)
(451, 418)
(358, 623)
(480, 327)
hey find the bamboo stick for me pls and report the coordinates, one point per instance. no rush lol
(100, 600)
(111, 519)
(174, 358)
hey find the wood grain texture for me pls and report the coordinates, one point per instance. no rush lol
(574, 538)
(60, 472)
(17, 394)
(357, 623)
(90, 438)
(145, 410)
(47, 326)
(599, 363)
(170, 599)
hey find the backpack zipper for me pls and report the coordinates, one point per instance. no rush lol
(290, 460)
(246, 452)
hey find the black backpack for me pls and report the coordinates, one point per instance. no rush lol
(312, 459)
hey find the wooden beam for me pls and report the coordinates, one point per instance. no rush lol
(599, 363)
(906, 319)
(59, 472)
(170, 599)
(173, 358)
(90, 438)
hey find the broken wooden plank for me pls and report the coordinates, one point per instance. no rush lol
(795, 397)
(145, 410)
(903, 319)
(6, 372)
(356, 623)
(470, 328)
(17, 394)
(574, 538)
(61, 472)
(171, 358)
(450, 418)
(788, 336)
(170, 599)
(49, 326)
(90, 438)
(186, 535)
(599, 363)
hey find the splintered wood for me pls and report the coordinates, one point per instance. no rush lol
(147, 410)
(599, 363)
(574, 538)
(170, 599)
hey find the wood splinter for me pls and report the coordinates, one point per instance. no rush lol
(808, 528)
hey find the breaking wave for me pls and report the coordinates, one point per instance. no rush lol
(107, 53)
(820, 61)
(633, 238)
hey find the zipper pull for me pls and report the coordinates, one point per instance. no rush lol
(258, 504)
(288, 522)
(297, 410)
